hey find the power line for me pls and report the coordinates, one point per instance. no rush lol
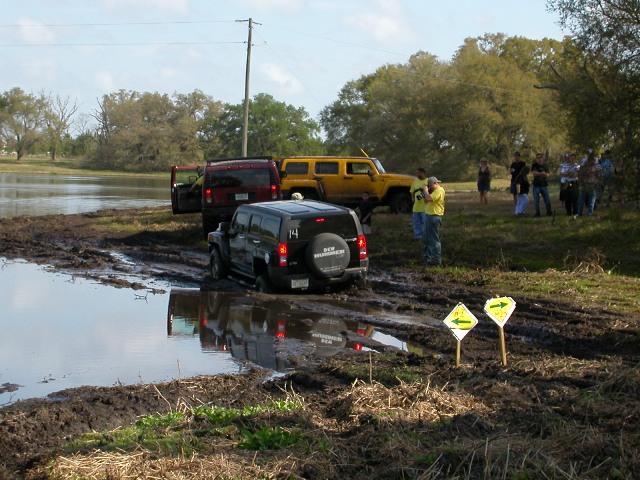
(121, 24)
(113, 44)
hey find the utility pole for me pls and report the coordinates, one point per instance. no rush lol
(245, 120)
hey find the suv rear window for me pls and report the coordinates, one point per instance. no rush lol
(250, 177)
(308, 228)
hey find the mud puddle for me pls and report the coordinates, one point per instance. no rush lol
(60, 331)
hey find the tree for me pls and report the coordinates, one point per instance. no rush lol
(21, 121)
(598, 80)
(57, 120)
(149, 131)
(275, 128)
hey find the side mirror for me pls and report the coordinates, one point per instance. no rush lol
(283, 174)
(224, 227)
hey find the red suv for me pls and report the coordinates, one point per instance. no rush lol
(217, 189)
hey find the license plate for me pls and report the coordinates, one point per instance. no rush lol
(242, 196)
(299, 283)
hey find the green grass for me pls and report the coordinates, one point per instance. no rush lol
(586, 259)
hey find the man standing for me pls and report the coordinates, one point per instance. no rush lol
(418, 215)
(540, 172)
(569, 184)
(434, 210)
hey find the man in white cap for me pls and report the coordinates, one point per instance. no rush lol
(434, 198)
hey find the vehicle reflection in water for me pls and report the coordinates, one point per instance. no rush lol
(248, 327)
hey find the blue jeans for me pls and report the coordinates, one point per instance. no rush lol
(432, 246)
(588, 198)
(544, 191)
(522, 200)
(418, 224)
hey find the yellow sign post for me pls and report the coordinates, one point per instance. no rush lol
(499, 310)
(460, 321)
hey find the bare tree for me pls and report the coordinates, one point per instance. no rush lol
(57, 120)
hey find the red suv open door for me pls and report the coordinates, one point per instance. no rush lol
(184, 199)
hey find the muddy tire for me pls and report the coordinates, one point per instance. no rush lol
(217, 268)
(327, 255)
(264, 285)
(400, 203)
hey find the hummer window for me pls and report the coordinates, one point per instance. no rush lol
(358, 168)
(270, 229)
(240, 222)
(308, 228)
(297, 168)
(254, 227)
(327, 168)
(239, 178)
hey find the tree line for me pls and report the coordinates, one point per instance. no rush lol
(498, 94)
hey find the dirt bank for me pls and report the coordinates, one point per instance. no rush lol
(564, 407)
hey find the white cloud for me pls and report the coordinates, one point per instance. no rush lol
(35, 32)
(173, 6)
(42, 70)
(105, 81)
(282, 6)
(284, 81)
(386, 21)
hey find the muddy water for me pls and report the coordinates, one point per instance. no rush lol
(22, 195)
(59, 332)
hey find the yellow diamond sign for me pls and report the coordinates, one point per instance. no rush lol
(500, 309)
(460, 321)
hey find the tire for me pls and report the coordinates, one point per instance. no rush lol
(400, 203)
(264, 285)
(327, 255)
(217, 268)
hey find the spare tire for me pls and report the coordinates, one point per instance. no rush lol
(327, 255)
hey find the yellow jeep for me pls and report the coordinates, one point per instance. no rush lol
(341, 180)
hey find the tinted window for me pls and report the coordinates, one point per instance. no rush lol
(240, 222)
(330, 168)
(297, 168)
(270, 229)
(308, 228)
(254, 227)
(241, 177)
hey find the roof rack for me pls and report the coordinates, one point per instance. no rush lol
(257, 157)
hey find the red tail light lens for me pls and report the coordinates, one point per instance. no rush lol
(208, 195)
(274, 192)
(362, 247)
(357, 347)
(281, 329)
(283, 253)
(319, 220)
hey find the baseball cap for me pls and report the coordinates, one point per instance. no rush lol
(432, 180)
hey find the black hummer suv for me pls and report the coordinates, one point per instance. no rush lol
(298, 245)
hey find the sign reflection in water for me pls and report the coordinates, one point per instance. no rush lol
(22, 195)
(249, 327)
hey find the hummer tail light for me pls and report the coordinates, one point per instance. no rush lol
(208, 195)
(362, 247)
(283, 252)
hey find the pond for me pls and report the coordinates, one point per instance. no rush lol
(59, 332)
(22, 195)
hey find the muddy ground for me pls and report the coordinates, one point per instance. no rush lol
(564, 407)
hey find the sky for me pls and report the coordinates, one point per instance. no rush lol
(303, 51)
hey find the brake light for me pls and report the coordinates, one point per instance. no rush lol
(208, 195)
(281, 329)
(319, 220)
(357, 347)
(362, 247)
(283, 252)
(274, 192)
